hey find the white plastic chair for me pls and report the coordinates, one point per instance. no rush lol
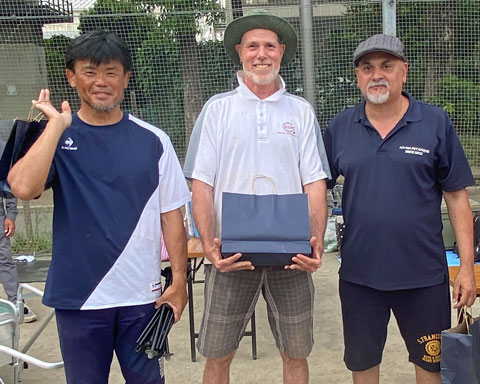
(11, 316)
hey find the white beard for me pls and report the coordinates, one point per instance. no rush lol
(261, 80)
(378, 98)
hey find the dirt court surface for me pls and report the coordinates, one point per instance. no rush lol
(326, 365)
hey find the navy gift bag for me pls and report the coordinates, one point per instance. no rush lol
(460, 363)
(21, 138)
(267, 229)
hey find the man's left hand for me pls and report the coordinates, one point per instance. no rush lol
(464, 291)
(9, 226)
(307, 263)
(176, 297)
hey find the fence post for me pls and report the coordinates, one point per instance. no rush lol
(27, 215)
(389, 16)
(306, 22)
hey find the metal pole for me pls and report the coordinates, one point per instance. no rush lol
(306, 22)
(228, 12)
(389, 14)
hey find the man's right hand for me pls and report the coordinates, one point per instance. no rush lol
(229, 264)
(43, 104)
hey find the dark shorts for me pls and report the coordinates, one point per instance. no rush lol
(89, 337)
(421, 314)
(230, 299)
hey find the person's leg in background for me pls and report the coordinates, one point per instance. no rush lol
(9, 276)
(8, 269)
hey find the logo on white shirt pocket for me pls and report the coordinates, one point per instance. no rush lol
(288, 129)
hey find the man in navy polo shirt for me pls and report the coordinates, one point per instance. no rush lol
(398, 157)
(117, 187)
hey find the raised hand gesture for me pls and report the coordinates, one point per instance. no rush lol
(63, 119)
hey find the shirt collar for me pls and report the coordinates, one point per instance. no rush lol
(245, 92)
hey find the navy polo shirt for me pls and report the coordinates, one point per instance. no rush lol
(392, 194)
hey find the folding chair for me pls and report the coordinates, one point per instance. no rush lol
(11, 316)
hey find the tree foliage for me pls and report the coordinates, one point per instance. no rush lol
(442, 40)
(175, 71)
(60, 90)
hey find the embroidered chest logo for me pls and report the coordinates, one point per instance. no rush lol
(432, 347)
(288, 129)
(69, 145)
(414, 150)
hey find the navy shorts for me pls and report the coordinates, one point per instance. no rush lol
(421, 314)
(89, 337)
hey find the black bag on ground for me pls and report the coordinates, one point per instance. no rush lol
(476, 237)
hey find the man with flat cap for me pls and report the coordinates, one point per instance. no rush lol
(398, 156)
(258, 128)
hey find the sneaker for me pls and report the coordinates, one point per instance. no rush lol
(28, 315)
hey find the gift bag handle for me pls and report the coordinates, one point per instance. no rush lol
(37, 118)
(464, 315)
(258, 176)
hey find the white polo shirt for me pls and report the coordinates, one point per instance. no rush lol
(238, 136)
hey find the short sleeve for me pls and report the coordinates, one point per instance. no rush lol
(173, 188)
(453, 171)
(205, 164)
(312, 167)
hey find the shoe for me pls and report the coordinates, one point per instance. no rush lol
(28, 315)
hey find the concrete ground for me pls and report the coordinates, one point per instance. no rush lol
(326, 365)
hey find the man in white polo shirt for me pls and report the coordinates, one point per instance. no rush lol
(258, 128)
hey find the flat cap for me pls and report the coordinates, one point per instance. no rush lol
(380, 43)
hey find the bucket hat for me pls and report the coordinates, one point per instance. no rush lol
(260, 18)
(379, 43)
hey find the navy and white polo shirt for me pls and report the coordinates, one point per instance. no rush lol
(110, 184)
(392, 194)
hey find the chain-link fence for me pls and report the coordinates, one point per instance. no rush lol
(179, 60)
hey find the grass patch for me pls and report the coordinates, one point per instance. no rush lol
(40, 243)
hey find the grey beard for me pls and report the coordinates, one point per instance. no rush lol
(101, 107)
(256, 79)
(378, 99)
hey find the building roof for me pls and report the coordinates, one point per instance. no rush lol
(82, 4)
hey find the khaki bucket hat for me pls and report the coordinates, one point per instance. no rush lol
(260, 18)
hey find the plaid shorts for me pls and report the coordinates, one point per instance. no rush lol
(230, 299)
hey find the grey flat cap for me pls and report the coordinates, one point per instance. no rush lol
(380, 43)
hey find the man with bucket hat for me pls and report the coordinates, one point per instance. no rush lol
(398, 156)
(258, 128)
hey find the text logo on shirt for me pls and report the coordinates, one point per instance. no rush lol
(288, 129)
(414, 150)
(69, 145)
